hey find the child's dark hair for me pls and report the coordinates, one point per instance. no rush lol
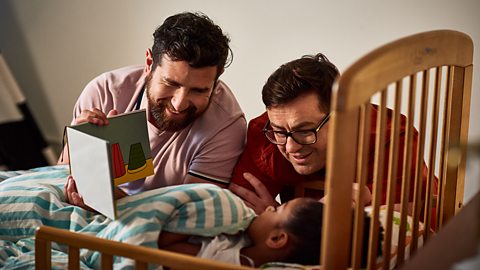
(305, 230)
(367, 220)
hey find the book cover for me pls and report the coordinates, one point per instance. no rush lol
(102, 157)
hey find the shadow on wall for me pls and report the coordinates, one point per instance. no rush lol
(16, 53)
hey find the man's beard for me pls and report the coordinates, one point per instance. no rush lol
(159, 114)
(163, 121)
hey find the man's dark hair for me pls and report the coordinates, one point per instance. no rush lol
(311, 73)
(194, 38)
(305, 230)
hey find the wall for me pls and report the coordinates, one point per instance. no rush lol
(55, 47)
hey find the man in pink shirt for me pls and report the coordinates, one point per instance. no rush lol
(196, 127)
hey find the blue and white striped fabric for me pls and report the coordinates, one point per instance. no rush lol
(31, 199)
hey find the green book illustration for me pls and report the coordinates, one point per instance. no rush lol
(102, 157)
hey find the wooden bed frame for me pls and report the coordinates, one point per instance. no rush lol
(143, 256)
(372, 74)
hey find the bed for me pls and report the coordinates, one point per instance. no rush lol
(36, 221)
(85, 240)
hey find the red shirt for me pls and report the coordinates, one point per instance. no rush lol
(263, 159)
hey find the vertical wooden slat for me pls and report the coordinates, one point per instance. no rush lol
(406, 170)
(417, 192)
(73, 258)
(465, 87)
(432, 154)
(443, 161)
(458, 132)
(43, 258)
(337, 222)
(378, 173)
(362, 170)
(107, 261)
(392, 173)
(140, 265)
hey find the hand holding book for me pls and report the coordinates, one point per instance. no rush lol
(104, 153)
(94, 116)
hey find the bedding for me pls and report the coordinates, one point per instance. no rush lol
(35, 197)
(395, 234)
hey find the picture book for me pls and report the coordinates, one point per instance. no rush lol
(102, 157)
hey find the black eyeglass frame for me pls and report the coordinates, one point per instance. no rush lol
(290, 133)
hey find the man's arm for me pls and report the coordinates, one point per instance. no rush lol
(178, 243)
(190, 179)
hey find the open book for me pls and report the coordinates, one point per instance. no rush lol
(102, 157)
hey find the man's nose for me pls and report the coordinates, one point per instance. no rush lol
(291, 145)
(180, 100)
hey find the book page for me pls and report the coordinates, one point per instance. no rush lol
(90, 167)
(127, 134)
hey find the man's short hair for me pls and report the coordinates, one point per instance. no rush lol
(194, 38)
(295, 78)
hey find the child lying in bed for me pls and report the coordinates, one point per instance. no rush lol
(289, 233)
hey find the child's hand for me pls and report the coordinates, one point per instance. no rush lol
(367, 195)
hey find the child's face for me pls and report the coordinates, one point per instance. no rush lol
(272, 218)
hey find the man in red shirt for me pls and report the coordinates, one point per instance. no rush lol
(287, 144)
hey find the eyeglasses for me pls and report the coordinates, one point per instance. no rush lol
(304, 137)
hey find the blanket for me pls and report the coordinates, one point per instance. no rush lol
(32, 198)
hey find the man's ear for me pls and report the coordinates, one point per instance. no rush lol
(277, 239)
(148, 60)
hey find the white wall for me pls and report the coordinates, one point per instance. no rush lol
(55, 47)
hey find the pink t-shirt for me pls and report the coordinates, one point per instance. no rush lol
(208, 148)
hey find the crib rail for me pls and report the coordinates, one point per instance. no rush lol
(143, 256)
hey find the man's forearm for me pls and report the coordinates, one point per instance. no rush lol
(178, 243)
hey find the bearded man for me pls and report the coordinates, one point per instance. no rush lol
(196, 127)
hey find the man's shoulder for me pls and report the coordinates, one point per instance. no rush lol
(223, 114)
(120, 80)
(112, 88)
(223, 110)
(258, 145)
(224, 102)
(257, 123)
(123, 73)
